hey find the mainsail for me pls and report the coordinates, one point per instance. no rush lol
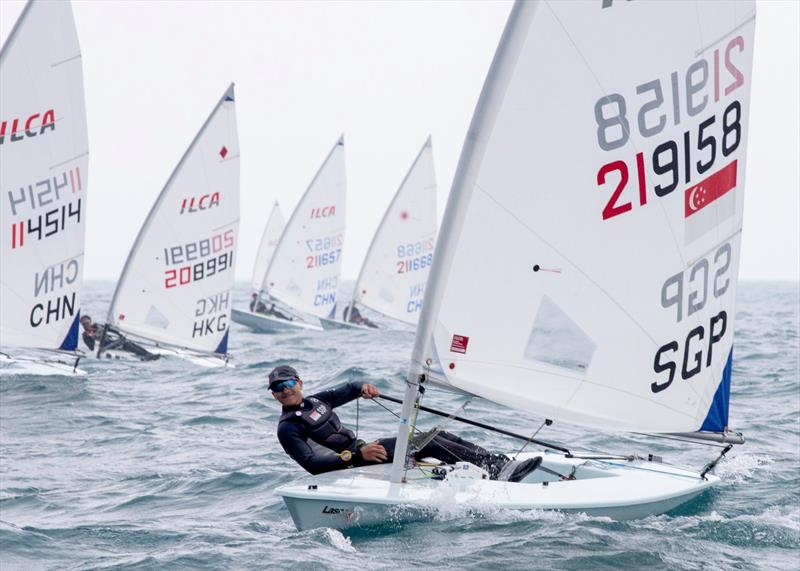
(395, 270)
(269, 241)
(587, 264)
(44, 156)
(176, 285)
(304, 271)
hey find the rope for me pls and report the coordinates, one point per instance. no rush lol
(439, 442)
(357, 403)
(529, 440)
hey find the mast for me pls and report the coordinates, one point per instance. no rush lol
(463, 183)
(17, 25)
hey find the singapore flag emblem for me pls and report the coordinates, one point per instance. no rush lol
(709, 203)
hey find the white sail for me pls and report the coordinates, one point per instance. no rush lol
(176, 285)
(304, 271)
(269, 241)
(44, 155)
(587, 264)
(395, 270)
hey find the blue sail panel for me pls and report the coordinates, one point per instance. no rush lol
(717, 417)
(222, 348)
(70, 342)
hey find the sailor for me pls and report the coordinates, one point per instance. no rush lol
(256, 305)
(90, 330)
(109, 339)
(353, 315)
(312, 434)
(274, 311)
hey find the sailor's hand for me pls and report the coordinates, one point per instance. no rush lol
(374, 452)
(369, 391)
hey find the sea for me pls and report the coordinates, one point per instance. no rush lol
(164, 465)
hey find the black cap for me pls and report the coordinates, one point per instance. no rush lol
(282, 373)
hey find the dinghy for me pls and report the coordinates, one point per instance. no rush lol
(395, 270)
(44, 158)
(302, 278)
(174, 294)
(586, 268)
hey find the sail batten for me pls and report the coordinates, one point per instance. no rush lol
(611, 177)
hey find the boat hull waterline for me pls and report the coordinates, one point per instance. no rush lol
(332, 325)
(620, 490)
(20, 365)
(267, 324)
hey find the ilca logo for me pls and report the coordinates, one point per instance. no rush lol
(323, 212)
(350, 515)
(34, 125)
(195, 204)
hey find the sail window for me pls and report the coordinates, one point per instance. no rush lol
(155, 318)
(557, 340)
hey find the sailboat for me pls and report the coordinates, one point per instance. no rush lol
(44, 158)
(174, 294)
(395, 270)
(301, 282)
(269, 241)
(586, 268)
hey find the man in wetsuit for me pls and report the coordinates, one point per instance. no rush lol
(256, 305)
(351, 314)
(109, 338)
(312, 434)
(90, 331)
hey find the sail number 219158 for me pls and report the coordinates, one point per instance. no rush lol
(678, 160)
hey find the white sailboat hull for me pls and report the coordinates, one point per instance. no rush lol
(44, 366)
(268, 324)
(621, 490)
(207, 361)
(332, 324)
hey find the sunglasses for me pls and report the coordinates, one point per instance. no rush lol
(279, 387)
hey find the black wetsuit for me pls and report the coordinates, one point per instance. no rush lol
(114, 340)
(313, 435)
(257, 306)
(351, 314)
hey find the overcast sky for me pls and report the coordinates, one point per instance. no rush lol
(386, 74)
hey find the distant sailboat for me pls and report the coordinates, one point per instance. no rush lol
(269, 241)
(395, 270)
(302, 278)
(174, 294)
(587, 263)
(44, 156)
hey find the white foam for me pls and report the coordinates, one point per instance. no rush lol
(779, 516)
(339, 541)
(738, 469)
(774, 516)
(448, 507)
